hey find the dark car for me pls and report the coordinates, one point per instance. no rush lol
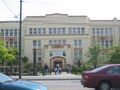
(7, 83)
(102, 78)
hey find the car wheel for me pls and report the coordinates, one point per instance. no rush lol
(104, 86)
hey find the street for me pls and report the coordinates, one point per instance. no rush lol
(63, 84)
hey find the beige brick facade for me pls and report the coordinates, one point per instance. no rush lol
(60, 38)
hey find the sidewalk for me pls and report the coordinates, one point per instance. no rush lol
(63, 76)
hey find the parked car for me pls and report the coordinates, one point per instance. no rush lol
(7, 83)
(102, 78)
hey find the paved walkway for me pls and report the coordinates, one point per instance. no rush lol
(63, 76)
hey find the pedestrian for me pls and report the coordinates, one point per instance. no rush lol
(46, 69)
(55, 70)
(60, 70)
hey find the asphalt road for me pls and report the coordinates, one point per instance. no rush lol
(63, 85)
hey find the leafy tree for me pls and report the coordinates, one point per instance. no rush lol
(4, 55)
(114, 55)
(94, 54)
(13, 51)
(25, 59)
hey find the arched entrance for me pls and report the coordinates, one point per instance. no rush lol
(57, 60)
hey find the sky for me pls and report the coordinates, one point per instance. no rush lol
(94, 9)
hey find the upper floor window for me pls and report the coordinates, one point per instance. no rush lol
(11, 32)
(50, 30)
(74, 30)
(59, 31)
(50, 41)
(70, 30)
(34, 43)
(78, 30)
(83, 30)
(15, 32)
(78, 43)
(64, 42)
(63, 31)
(93, 31)
(54, 31)
(39, 43)
(35, 30)
(2, 32)
(6, 32)
(39, 30)
(44, 30)
(30, 31)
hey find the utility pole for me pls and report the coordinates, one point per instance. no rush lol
(20, 31)
(34, 62)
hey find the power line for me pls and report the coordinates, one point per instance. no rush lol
(9, 8)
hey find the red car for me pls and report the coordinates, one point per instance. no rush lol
(102, 78)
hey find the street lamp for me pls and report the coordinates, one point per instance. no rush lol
(34, 62)
(20, 23)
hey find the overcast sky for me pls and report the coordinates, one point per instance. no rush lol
(94, 9)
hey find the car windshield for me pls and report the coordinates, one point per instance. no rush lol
(4, 78)
(100, 68)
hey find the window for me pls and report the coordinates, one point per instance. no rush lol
(44, 30)
(6, 44)
(6, 32)
(11, 44)
(64, 42)
(35, 30)
(114, 70)
(39, 30)
(93, 31)
(39, 43)
(2, 32)
(34, 43)
(97, 32)
(59, 31)
(102, 31)
(106, 31)
(50, 30)
(110, 31)
(15, 32)
(30, 31)
(75, 43)
(50, 41)
(11, 32)
(59, 41)
(55, 41)
(54, 30)
(63, 31)
(111, 43)
(78, 30)
(70, 30)
(15, 44)
(106, 44)
(74, 30)
(83, 30)
(78, 43)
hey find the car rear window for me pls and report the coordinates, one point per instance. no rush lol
(100, 68)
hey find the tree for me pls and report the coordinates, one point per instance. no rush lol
(114, 55)
(13, 51)
(94, 54)
(4, 55)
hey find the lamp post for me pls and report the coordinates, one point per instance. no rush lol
(20, 23)
(34, 62)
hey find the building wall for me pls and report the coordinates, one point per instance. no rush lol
(63, 34)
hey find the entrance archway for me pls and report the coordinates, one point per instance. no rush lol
(57, 60)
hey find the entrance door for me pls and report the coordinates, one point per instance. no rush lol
(57, 62)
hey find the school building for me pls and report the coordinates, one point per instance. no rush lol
(60, 38)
